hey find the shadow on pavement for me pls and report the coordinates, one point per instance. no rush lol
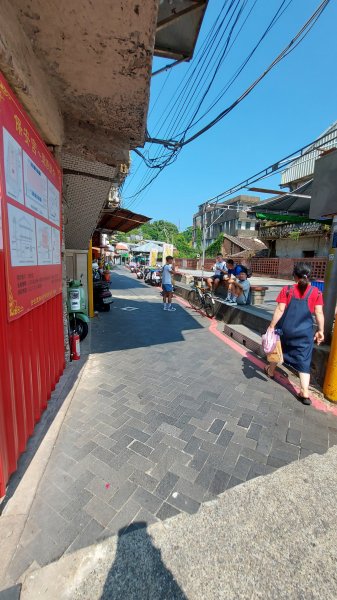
(138, 570)
(133, 323)
(251, 371)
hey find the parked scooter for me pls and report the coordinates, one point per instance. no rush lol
(140, 273)
(102, 295)
(77, 308)
(152, 276)
(102, 292)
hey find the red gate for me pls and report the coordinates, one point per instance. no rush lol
(31, 313)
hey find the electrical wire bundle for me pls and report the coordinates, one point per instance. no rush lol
(178, 121)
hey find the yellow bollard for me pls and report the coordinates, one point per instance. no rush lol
(330, 381)
(90, 284)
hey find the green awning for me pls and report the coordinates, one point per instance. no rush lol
(288, 218)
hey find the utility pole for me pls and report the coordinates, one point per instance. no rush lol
(330, 297)
(204, 227)
(330, 284)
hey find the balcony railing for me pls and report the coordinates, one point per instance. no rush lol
(293, 230)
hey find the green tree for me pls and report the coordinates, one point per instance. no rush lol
(163, 231)
(215, 248)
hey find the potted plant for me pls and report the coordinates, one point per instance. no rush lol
(106, 272)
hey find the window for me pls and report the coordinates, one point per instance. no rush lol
(247, 225)
(308, 253)
(239, 225)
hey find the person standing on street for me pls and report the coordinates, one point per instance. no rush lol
(294, 317)
(168, 270)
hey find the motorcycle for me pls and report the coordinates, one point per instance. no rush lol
(102, 292)
(152, 277)
(77, 308)
(140, 273)
(102, 296)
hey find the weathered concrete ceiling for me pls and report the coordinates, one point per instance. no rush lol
(97, 59)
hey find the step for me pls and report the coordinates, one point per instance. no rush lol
(245, 336)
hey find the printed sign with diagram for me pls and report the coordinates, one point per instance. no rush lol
(30, 210)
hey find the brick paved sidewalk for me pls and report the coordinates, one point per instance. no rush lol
(165, 417)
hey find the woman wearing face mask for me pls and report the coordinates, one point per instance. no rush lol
(294, 317)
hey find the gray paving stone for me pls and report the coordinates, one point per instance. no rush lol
(224, 438)
(219, 483)
(206, 476)
(147, 500)
(122, 495)
(102, 512)
(140, 448)
(145, 480)
(103, 489)
(242, 467)
(192, 446)
(254, 431)
(166, 511)
(187, 431)
(170, 429)
(233, 482)
(87, 537)
(217, 426)
(70, 511)
(183, 503)
(245, 420)
(141, 463)
(124, 517)
(104, 455)
(166, 485)
(198, 460)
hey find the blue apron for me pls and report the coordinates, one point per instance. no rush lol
(297, 333)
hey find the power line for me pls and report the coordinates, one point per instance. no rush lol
(289, 48)
(178, 145)
(270, 170)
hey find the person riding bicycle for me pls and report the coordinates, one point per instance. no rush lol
(220, 270)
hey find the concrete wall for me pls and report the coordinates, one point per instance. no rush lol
(288, 248)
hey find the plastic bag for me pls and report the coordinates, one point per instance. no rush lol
(269, 341)
(276, 356)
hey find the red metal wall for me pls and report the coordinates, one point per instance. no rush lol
(31, 363)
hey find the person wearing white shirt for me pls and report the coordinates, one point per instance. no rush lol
(166, 282)
(220, 270)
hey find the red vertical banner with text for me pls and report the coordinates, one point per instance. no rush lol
(30, 227)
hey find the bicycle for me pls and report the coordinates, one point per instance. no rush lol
(201, 298)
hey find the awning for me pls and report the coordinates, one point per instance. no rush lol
(288, 203)
(178, 27)
(269, 216)
(147, 248)
(119, 219)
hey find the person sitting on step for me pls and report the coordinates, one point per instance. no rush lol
(239, 290)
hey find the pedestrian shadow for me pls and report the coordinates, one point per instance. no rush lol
(252, 371)
(138, 571)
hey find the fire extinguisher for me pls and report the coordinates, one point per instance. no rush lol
(75, 346)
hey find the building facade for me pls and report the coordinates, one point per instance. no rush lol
(231, 217)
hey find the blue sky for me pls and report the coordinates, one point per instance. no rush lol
(293, 105)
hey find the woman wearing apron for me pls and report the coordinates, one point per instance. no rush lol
(294, 317)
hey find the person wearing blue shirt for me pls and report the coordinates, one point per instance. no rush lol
(233, 269)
